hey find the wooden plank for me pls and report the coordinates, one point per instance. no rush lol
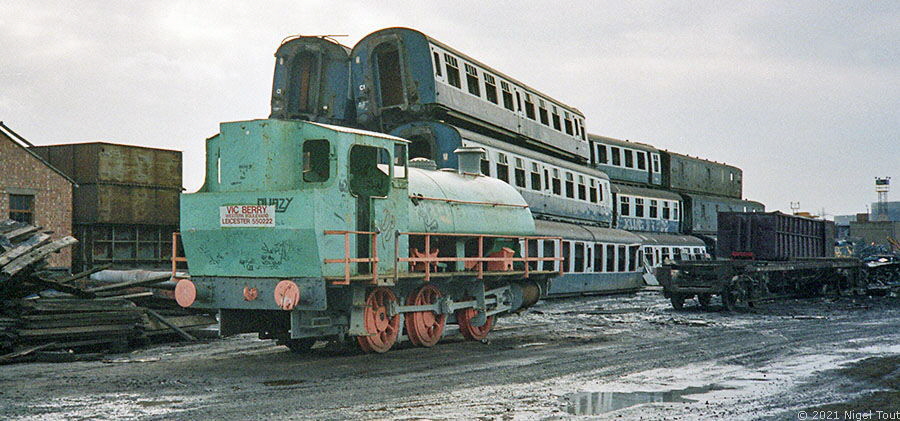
(128, 284)
(16, 233)
(46, 283)
(26, 351)
(177, 329)
(126, 296)
(72, 305)
(23, 247)
(33, 256)
(77, 331)
(155, 327)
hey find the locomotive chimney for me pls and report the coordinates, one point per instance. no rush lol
(469, 159)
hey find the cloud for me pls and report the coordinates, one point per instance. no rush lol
(804, 96)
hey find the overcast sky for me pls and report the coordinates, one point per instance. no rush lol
(803, 96)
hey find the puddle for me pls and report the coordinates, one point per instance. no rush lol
(594, 403)
(283, 382)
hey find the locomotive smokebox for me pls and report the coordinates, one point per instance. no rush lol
(469, 159)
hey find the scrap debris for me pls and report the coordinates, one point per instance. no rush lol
(53, 318)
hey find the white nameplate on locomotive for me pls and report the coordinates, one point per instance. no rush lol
(247, 216)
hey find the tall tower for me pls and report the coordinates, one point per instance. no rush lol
(882, 187)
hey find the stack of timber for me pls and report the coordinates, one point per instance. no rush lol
(48, 317)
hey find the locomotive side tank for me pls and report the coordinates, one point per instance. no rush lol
(311, 81)
(302, 230)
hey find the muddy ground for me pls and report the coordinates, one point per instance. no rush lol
(614, 357)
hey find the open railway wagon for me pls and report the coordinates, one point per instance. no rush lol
(305, 231)
(764, 256)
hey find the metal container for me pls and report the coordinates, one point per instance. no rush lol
(118, 204)
(773, 236)
(99, 162)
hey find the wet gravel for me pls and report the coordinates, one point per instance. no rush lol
(612, 357)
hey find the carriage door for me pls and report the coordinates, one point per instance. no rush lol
(369, 181)
(389, 77)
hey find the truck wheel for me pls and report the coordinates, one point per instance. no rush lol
(704, 300)
(677, 301)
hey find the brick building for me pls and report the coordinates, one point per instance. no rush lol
(33, 191)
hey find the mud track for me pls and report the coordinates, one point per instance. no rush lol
(768, 362)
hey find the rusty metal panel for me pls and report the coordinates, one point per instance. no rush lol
(118, 204)
(696, 175)
(98, 162)
(773, 236)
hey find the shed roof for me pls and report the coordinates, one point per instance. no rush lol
(21, 142)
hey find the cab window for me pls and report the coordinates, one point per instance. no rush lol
(316, 161)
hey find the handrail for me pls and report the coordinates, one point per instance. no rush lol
(467, 202)
(481, 258)
(175, 257)
(373, 261)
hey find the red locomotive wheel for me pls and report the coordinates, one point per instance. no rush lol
(382, 327)
(473, 333)
(424, 328)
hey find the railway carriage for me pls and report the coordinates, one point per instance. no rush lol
(306, 231)
(311, 81)
(626, 161)
(401, 75)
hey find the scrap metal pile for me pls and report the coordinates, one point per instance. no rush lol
(51, 317)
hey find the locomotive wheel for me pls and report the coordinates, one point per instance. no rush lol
(704, 300)
(729, 301)
(424, 328)
(300, 346)
(677, 301)
(473, 333)
(381, 326)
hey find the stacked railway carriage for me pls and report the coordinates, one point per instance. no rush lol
(642, 204)
(764, 256)
(415, 87)
(621, 207)
(306, 231)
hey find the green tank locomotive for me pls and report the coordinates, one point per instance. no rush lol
(305, 231)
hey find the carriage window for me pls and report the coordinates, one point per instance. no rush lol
(549, 248)
(616, 157)
(621, 258)
(529, 106)
(557, 186)
(399, 160)
(665, 212)
(629, 158)
(535, 177)
(502, 168)
(490, 88)
(582, 189)
(485, 167)
(594, 190)
(577, 127)
(437, 64)
(675, 214)
(633, 258)
(542, 111)
(507, 96)
(568, 123)
(654, 208)
(570, 185)
(648, 254)
(624, 205)
(583, 134)
(579, 257)
(641, 160)
(610, 258)
(655, 158)
(452, 70)
(639, 207)
(601, 154)
(567, 255)
(472, 79)
(556, 124)
(316, 160)
(677, 253)
(600, 190)
(520, 173)
(598, 257)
